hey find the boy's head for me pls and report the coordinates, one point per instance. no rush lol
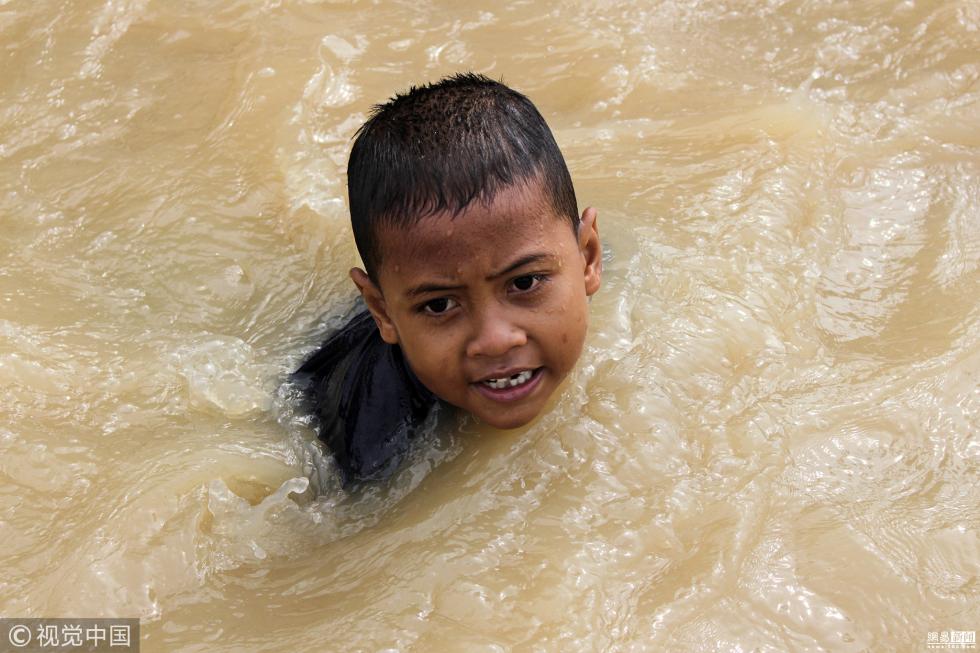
(478, 266)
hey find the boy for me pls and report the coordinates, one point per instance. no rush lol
(477, 271)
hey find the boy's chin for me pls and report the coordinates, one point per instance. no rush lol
(507, 422)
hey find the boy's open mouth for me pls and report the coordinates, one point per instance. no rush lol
(512, 387)
(509, 381)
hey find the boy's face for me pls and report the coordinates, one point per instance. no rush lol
(490, 307)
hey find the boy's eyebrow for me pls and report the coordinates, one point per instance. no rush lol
(519, 263)
(425, 288)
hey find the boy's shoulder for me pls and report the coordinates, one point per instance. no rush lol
(367, 403)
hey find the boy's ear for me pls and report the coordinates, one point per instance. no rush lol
(591, 248)
(376, 304)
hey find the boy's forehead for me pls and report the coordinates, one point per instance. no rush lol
(480, 226)
(484, 233)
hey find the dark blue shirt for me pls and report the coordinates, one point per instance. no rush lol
(367, 401)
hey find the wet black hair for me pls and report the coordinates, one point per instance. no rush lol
(441, 146)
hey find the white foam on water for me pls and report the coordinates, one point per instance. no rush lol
(222, 372)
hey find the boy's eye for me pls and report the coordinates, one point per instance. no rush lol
(527, 282)
(438, 306)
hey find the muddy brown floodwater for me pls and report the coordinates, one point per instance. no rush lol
(770, 443)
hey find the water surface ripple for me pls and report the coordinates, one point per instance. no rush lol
(770, 443)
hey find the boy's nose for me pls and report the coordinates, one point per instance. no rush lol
(493, 336)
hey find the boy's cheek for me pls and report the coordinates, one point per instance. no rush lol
(429, 360)
(573, 340)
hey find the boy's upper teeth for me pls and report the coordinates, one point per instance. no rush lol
(510, 381)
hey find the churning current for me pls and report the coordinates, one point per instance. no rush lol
(769, 444)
